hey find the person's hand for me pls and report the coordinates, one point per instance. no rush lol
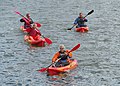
(66, 53)
(53, 65)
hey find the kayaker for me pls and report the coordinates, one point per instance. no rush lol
(79, 22)
(27, 21)
(63, 57)
(34, 32)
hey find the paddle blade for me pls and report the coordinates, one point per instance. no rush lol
(75, 48)
(48, 40)
(69, 28)
(90, 12)
(42, 70)
(17, 12)
(38, 24)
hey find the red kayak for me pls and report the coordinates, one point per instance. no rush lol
(39, 42)
(57, 70)
(82, 29)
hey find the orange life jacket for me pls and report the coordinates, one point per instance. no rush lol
(57, 55)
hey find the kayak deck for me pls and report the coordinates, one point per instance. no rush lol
(56, 70)
(82, 29)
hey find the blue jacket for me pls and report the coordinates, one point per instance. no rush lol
(80, 22)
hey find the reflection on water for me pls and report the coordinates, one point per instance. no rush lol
(62, 79)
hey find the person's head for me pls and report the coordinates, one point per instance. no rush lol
(62, 47)
(34, 25)
(80, 15)
(28, 15)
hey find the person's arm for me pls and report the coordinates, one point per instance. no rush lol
(31, 21)
(22, 20)
(55, 57)
(74, 24)
(69, 54)
(76, 21)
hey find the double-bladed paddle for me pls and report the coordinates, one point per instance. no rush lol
(83, 17)
(73, 49)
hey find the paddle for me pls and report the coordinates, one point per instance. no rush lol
(26, 20)
(22, 16)
(83, 18)
(47, 40)
(89, 13)
(73, 49)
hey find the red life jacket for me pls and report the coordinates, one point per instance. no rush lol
(34, 32)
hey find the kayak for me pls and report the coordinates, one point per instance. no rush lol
(82, 29)
(57, 70)
(39, 42)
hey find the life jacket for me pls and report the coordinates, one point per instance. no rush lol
(61, 55)
(34, 33)
(80, 21)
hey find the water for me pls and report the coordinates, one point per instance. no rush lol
(98, 56)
